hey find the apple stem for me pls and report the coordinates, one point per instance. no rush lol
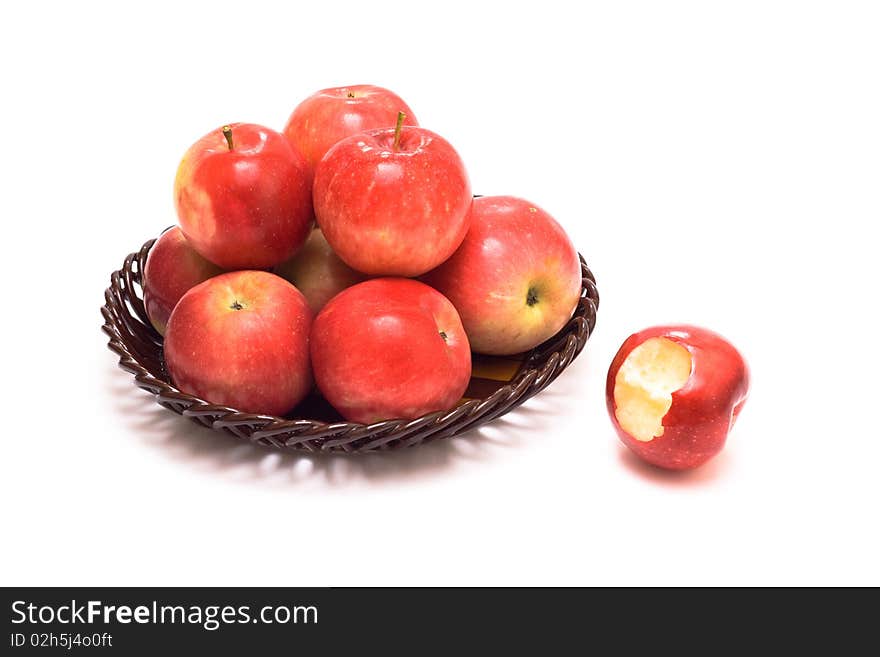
(227, 132)
(400, 117)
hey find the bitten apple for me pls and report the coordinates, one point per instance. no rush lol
(393, 202)
(516, 278)
(241, 339)
(243, 197)
(330, 115)
(317, 272)
(172, 268)
(390, 348)
(674, 392)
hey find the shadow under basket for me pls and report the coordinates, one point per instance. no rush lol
(498, 384)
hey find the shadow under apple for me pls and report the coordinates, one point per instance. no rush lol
(709, 471)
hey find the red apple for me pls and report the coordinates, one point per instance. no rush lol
(243, 197)
(330, 115)
(390, 348)
(317, 272)
(393, 202)
(241, 339)
(172, 268)
(516, 278)
(674, 392)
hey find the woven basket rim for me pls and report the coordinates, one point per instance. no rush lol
(130, 332)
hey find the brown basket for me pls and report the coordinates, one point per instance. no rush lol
(497, 385)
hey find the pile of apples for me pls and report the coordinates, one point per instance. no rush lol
(347, 252)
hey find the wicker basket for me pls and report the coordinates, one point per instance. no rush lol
(497, 384)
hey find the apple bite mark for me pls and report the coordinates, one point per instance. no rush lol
(644, 385)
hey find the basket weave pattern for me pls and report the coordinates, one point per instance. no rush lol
(139, 348)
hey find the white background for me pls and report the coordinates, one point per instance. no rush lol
(717, 163)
